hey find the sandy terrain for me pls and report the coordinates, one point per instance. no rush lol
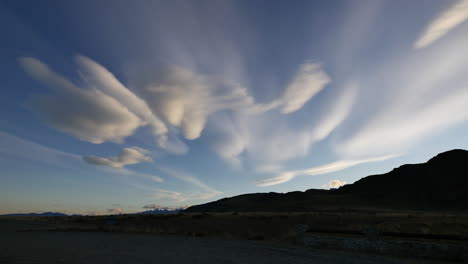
(40, 246)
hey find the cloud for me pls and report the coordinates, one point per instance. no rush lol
(205, 192)
(333, 184)
(250, 136)
(282, 178)
(127, 156)
(169, 196)
(13, 146)
(419, 102)
(88, 114)
(114, 211)
(160, 207)
(323, 169)
(309, 80)
(335, 114)
(162, 195)
(188, 178)
(100, 78)
(393, 130)
(103, 109)
(124, 171)
(443, 23)
(185, 99)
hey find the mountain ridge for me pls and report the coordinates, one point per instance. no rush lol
(438, 184)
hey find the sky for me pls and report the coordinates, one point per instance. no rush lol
(119, 107)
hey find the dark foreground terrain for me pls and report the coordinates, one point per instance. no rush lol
(26, 242)
(416, 213)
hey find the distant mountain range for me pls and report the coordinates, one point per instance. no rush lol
(162, 211)
(439, 184)
(37, 214)
(155, 211)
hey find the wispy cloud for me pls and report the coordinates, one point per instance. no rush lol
(161, 207)
(127, 156)
(14, 146)
(98, 77)
(88, 114)
(268, 141)
(185, 99)
(323, 169)
(443, 23)
(309, 80)
(208, 192)
(419, 102)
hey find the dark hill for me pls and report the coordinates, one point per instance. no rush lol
(439, 184)
(37, 214)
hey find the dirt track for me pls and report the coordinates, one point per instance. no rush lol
(39, 246)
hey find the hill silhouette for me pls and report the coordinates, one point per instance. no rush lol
(37, 214)
(439, 184)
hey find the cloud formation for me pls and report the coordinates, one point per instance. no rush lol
(13, 146)
(333, 184)
(420, 101)
(160, 207)
(88, 114)
(268, 141)
(443, 23)
(185, 99)
(127, 156)
(201, 192)
(309, 80)
(323, 169)
(96, 76)
(103, 109)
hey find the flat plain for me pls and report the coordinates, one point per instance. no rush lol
(23, 241)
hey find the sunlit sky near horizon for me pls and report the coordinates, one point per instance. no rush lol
(112, 106)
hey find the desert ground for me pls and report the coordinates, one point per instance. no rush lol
(23, 241)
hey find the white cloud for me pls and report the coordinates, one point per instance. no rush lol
(268, 140)
(323, 169)
(282, 178)
(102, 110)
(175, 197)
(105, 110)
(428, 94)
(336, 114)
(162, 195)
(185, 99)
(160, 207)
(333, 184)
(309, 80)
(393, 131)
(127, 156)
(443, 23)
(87, 114)
(100, 78)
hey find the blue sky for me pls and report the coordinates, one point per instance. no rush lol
(111, 106)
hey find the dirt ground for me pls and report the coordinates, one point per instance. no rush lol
(36, 245)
